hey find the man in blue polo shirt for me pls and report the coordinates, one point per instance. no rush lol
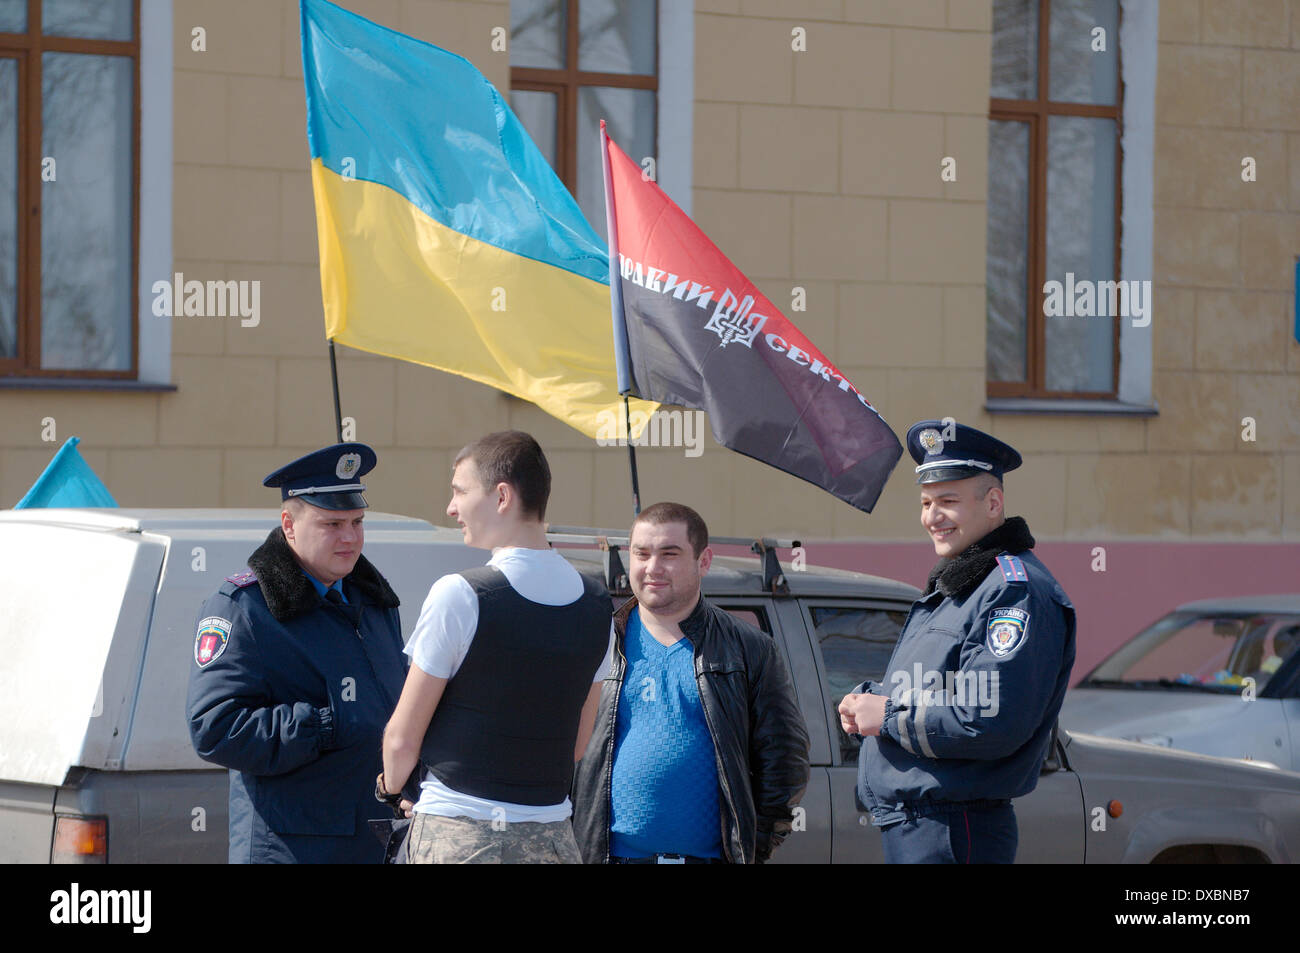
(699, 752)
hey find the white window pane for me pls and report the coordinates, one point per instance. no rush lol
(537, 31)
(629, 116)
(1015, 49)
(8, 208)
(93, 19)
(13, 16)
(1080, 242)
(1006, 266)
(86, 279)
(536, 110)
(1078, 73)
(617, 37)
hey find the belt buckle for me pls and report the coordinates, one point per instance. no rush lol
(669, 859)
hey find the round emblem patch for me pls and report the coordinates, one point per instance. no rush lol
(931, 440)
(348, 466)
(211, 640)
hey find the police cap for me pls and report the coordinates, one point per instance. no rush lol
(945, 450)
(328, 478)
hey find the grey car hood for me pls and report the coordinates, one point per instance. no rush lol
(1209, 724)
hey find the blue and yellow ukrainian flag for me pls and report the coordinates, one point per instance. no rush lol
(445, 237)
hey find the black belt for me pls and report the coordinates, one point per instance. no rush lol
(931, 808)
(666, 859)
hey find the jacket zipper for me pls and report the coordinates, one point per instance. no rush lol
(705, 698)
(621, 670)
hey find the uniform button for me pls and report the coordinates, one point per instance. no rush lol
(862, 820)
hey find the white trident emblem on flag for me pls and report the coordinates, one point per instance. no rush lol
(739, 326)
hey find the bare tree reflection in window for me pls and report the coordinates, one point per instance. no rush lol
(617, 37)
(86, 279)
(88, 19)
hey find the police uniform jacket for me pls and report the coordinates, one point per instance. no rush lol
(974, 685)
(292, 693)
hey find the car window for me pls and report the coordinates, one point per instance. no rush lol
(855, 645)
(754, 616)
(1208, 652)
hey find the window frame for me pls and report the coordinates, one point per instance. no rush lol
(831, 704)
(28, 49)
(565, 84)
(1036, 113)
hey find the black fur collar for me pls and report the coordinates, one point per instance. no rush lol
(289, 592)
(957, 577)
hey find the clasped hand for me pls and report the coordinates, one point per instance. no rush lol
(862, 714)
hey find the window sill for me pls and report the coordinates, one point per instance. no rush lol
(81, 383)
(1044, 405)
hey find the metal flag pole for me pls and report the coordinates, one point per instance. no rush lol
(622, 362)
(631, 459)
(334, 379)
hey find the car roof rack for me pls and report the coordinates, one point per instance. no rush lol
(611, 541)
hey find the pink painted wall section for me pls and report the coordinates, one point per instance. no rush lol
(1142, 580)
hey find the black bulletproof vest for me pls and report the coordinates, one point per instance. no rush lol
(507, 723)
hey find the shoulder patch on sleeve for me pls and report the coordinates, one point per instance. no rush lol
(211, 640)
(1013, 570)
(245, 577)
(1007, 630)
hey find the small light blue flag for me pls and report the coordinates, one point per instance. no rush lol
(67, 481)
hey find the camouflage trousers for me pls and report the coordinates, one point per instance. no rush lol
(461, 840)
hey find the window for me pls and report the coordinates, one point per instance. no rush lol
(751, 615)
(855, 646)
(69, 181)
(573, 63)
(1054, 201)
(1209, 653)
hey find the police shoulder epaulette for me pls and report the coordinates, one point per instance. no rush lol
(243, 578)
(1013, 570)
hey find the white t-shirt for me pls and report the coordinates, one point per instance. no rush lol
(441, 641)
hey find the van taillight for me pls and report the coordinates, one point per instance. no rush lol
(80, 840)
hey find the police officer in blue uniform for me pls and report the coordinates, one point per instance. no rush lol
(298, 665)
(962, 721)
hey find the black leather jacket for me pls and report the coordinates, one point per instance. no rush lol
(759, 738)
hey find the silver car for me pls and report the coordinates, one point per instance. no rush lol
(1218, 676)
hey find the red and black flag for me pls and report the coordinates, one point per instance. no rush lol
(690, 329)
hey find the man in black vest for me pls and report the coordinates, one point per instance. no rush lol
(507, 666)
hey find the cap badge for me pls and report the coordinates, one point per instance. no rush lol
(349, 463)
(931, 441)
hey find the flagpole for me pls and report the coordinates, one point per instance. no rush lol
(631, 460)
(622, 362)
(334, 379)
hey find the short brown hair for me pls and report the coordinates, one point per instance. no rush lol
(657, 514)
(984, 483)
(514, 457)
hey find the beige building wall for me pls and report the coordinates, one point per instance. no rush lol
(816, 170)
(1225, 255)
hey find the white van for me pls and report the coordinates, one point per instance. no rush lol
(96, 640)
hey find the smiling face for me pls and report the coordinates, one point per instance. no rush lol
(477, 509)
(958, 513)
(327, 543)
(664, 571)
